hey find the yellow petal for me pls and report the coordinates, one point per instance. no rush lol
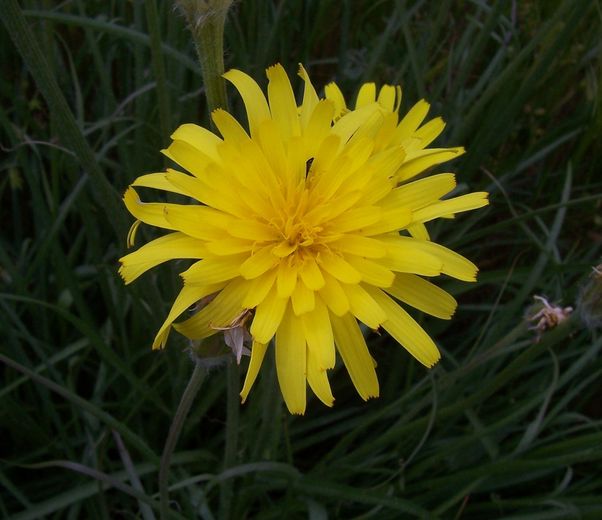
(333, 93)
(188, 157)
(334, 207)
(347, 125)
(334, 296)
(338, 267)
(386, 97)
(219, 313)
(372, 272)
(200, 138)
(168, 247)
(257, 354)
(268, 315)
(391, 219)
(419, 231)
(197, 221)
(187, 297)
(296, 163)
(324, 181)
(282, 102)
(212, 190)
(258, 289)
(403, 257)
(366, 95)
(387, 162)
(241, 178)
(345, 170)
(425, 159)
(369, 127)
(213, 270)
(459, 204)
(287, 279)
(252, 230)
(453, 264)
(257, 264)
(406, 331)
(302, 298)
(311, 274)
(360, 245)
(411, 121)
(131, 236)
(246, 172)
(229, 246)
(291, 362)
(310, 99)
(284, 248)
(428, 132)
(379, 188)
(271, 141)
(420, 193)
(318, 126)
(229, 127)
(385, 133)
(367, 131)
(398, 95)
(325, 157)
(356, 219)
(354, 352)
(318, 333)
(264, 176)
(423, 295)
(318, 379)
(363, 306)
(158, 181)
(252, 96)
(151, 213)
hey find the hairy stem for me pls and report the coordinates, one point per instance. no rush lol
(206, 22)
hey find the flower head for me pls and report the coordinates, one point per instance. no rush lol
(307, 223)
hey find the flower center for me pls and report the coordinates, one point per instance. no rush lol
(299, 233)
(297, 229)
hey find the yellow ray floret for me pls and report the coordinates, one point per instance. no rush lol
(308, 223)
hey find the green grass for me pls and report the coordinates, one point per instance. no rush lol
(502, 428)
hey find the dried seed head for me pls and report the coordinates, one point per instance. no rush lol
(546, 316)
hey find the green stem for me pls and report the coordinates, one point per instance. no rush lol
(210, 49)
(196, 379)
(207, 26)
(231, 435)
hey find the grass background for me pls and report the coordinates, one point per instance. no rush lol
(502, 428)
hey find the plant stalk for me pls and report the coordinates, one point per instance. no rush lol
(196, 379)
(231, 435)
(206, 20)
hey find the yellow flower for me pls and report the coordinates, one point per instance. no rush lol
(300, 226)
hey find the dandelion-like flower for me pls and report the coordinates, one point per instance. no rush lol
(306, 225)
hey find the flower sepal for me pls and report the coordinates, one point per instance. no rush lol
(213, 352)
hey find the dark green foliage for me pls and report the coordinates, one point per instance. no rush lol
(502, 428)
